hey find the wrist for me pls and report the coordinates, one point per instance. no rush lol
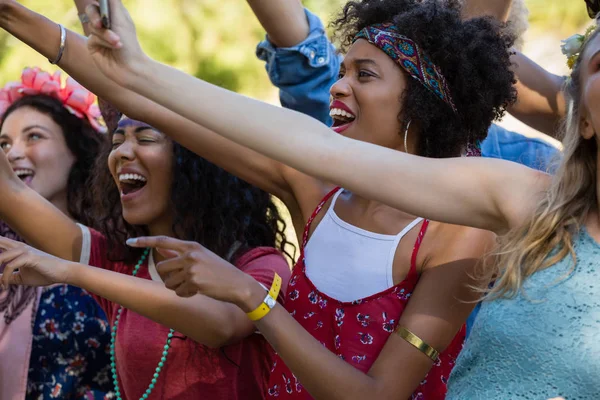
(140, 72)
(251, 295)
(72, 274)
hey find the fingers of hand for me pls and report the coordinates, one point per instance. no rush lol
(171, 265)
(168, 254)
(7, 244)
(9, 276)
(93, 13)
(104, 37)
(163, 243)
(175, 280)
(95, 42)
(186, 290)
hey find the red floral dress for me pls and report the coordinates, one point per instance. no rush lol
(355, 331)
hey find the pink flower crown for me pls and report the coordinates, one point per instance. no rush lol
(74, 97)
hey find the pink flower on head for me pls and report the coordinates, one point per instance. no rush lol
(75, 98)
(80, 102)
(36, 81)
(8, 95)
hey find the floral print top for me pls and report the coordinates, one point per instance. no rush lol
(355, 331)
(70, 356)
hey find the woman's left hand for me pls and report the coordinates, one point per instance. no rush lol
(24, 265)
(190, 268)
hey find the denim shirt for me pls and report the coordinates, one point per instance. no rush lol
(305, 73)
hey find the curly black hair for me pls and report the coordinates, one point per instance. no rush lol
(473, 56)
(82, 140)
(211, 207)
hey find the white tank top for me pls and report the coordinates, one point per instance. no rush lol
(348, 263)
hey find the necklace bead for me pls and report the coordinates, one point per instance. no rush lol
(113, 341)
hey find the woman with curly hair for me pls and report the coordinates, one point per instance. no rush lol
(154, 186)
(361, 260)
(147, 184)
(53, 341)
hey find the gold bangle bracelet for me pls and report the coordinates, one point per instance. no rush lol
(418, 343)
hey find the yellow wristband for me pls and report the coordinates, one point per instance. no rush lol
(418, 343)
(269, 302)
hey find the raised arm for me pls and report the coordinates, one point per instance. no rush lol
(284, 20)
(307, 67)
(540, 100)
(486, 194)
(43, 35)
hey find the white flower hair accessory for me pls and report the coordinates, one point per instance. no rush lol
(572, 46)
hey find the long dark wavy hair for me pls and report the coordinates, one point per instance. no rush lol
(211, 207)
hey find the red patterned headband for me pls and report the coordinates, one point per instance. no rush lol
(74, 97)
(409, 56)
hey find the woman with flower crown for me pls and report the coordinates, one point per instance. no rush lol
(53, 342)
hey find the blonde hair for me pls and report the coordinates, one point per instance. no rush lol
(548, 236)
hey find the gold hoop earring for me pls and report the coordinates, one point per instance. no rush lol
(406, 136)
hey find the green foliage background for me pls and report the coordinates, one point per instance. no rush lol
(215, 39)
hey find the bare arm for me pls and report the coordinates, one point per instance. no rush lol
(207, 321)
(481, 193)
(284, 20)
(210, 322)
(44, 36)
(540, 101)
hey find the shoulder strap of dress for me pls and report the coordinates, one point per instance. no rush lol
(314, 215)
(413, 260)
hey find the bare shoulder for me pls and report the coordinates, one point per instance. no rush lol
(449, 243)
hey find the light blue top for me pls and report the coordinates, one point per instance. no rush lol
(540, 345)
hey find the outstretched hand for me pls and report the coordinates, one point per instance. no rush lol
(24, 265)
(116, 51)
(190, 268)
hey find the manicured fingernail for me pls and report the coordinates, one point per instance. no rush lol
(131, 242)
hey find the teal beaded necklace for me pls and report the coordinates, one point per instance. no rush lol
(113, 340)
